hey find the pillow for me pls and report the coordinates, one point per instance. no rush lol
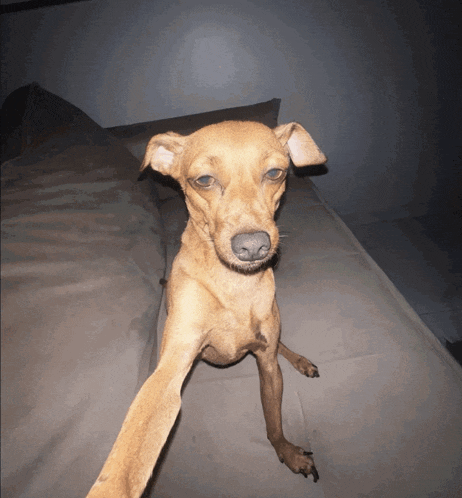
(82, 255)
(136, 137)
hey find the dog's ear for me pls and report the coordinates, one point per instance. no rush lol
(162, 151)
(301, 147)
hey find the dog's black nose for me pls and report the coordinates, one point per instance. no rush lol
(251, 246)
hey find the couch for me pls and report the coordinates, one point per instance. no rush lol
(86, 240)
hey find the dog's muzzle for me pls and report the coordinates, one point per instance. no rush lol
(251, 246)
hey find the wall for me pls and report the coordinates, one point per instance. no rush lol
(361, 76)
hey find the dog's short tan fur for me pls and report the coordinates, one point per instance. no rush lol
(221, 292)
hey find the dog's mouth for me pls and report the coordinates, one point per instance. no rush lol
(250, 267)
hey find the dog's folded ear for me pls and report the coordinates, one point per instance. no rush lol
(301, 147)
(162, 151)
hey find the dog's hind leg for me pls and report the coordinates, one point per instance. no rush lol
(300, 363)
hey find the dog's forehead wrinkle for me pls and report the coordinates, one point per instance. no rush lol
(203, 164)
(233, 136)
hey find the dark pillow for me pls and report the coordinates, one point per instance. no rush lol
(135, 137)
(33, 118)
(264, 112)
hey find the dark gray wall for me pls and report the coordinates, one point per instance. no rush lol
(375, 82)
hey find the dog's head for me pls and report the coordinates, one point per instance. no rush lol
(233, 176)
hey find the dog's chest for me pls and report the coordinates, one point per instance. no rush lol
(232, 336)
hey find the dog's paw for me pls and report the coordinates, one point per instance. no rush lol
(305, 367)
(298, 460)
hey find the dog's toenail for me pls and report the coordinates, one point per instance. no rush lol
(315, 473)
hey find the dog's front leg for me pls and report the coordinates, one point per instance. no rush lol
(149, 418)
(271, 384)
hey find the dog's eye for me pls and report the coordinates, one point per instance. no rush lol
(276, 174)
(205, 181)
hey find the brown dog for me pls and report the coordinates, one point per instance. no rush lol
(221, 292)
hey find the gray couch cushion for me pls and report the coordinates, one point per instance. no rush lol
(82, 255)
